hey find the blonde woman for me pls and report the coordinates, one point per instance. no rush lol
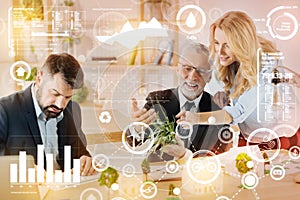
(233, 48)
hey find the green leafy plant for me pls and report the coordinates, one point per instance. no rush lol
(241, 161)
(164, 134)
(172, 196)
(108, 177)
(171, 188)
(164, 131)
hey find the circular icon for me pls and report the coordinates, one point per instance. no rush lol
(191, 24)
(211, 120)
(128, 170)
(115, 186)
(138, 138)
(203, 167)
(105, 117)
(21, 68)
(250, 180)
(91, 193)
(215, 13)
(211, 167)
(250, 164)
(172, 167)
(197, 166)
(225, 134)
(100, 162)
(222, 198)
(281, 24)
(176, 191)
(277, 172)
(81, 58)
(148, 190)
(294, 152)
(268, 137)
(184, 130)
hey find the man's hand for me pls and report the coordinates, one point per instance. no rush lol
(142, 115)
(177, 150)
(221, 99)
(86, 168)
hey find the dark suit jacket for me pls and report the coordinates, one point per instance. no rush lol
(19, 130)
(166, 103)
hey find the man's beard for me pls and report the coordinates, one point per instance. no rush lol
(48, 114)
(51, 114)
(191, 95)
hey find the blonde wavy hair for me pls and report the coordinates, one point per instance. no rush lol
(241, 35)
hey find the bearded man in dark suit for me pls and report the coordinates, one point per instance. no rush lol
(44, 114)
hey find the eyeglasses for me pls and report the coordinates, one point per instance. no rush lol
(189, 68)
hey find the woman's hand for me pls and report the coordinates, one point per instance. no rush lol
(221, 99)
(187, 116)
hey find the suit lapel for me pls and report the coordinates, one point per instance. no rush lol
(174, 106)
(200, 130)
(205, 103)
(66, 127)
(31, 118)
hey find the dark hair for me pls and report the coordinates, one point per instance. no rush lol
(68, 66)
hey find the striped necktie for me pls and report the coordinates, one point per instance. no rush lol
(189, 105)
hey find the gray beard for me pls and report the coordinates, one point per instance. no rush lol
(190, 95)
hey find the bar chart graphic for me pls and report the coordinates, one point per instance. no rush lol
(20, 173)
